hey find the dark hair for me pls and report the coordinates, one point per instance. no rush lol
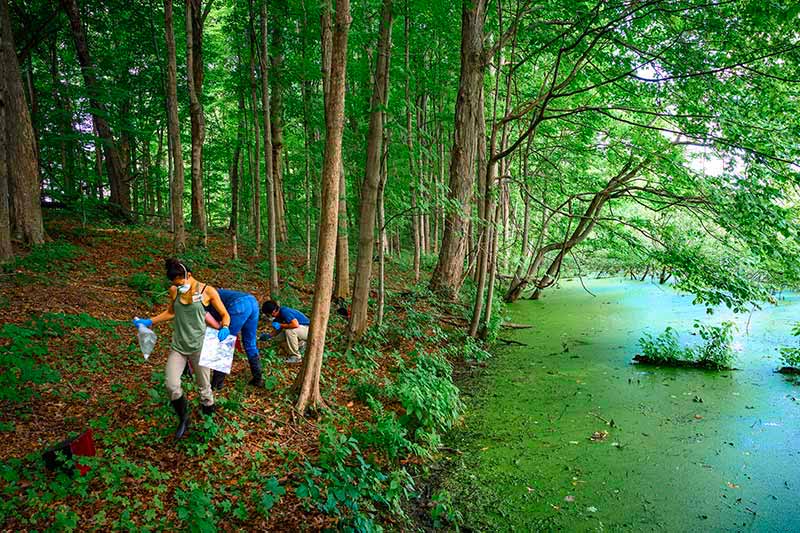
(176, 269)
(269, 307)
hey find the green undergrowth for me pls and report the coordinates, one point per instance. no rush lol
(43, 259)
(401, 373)
(24, 347)
(714, 352)
(360, 473)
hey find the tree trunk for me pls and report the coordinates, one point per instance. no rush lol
(177, 181)
(269, 154)
(194, 69)
(21, 212)
(6, 250)
(410, 147)
(276, 117)
(485, 211)
(526, 221)
(447, 276)
(233, 227)
(342, 283)
(487, 319)
(98, 163)
(305, 89)
(118, 179)
(664, 276)
(235, 174)
(158, 184)
(381, 221)
(372, 174)
(255, 168)
(307, 381)
(342, 289)
(65, 123)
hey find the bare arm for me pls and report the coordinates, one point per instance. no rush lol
(211, 321)
(225, 318)
(291, 325)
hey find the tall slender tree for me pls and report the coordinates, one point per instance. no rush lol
(195, 20)
(447, 276)
(342, 283)
(269, 153)
(307, 382)
(177, 181)
(256, 158)
(370, 185)
(410, 147)
(276, 117)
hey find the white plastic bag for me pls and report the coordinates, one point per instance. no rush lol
(216, 354)
(147, 340)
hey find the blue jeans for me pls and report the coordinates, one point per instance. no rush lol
(244, 319)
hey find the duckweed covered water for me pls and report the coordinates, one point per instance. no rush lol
(686, 450)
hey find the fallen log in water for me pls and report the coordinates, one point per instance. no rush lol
(509, 341)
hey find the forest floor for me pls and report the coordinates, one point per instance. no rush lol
(71, 362)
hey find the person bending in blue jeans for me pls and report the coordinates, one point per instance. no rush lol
(243, 309)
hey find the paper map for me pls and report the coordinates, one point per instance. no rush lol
(216, 354)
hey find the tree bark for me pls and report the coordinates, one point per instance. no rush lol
(194, 69)
(415, 230)
(65, 123)
(305, 87)
(6, 250)
(485, 215)
(372, 174)
(21, 211)
(276, 117)
(342, 289)
(255, 168)
(177, 181)
(487, 318)
(118, 178)
(342, 284)
(381, 221)
(233, 227)
(447, 276)
(269, 154)
(307, 381)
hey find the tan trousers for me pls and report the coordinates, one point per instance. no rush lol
(292, 338)
(176, 362)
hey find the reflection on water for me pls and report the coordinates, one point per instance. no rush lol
(686, 450)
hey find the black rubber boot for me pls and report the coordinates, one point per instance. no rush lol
(217, 380)
(182, 410)
(208, 410)
(255, 369)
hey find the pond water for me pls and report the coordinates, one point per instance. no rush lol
(686, 450)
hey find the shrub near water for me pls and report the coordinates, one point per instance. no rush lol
(716, 351)
(790, 356)
(662, 349)
(717, 348)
